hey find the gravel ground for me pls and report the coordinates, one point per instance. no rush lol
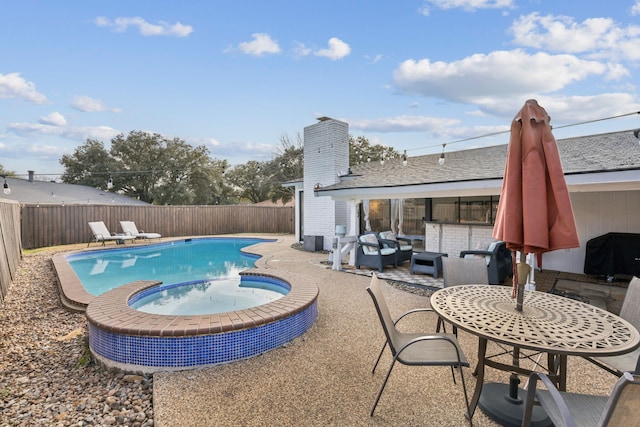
(47, 377)
(322, 378)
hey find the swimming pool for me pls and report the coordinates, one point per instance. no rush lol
(133, 341)
(171, 262)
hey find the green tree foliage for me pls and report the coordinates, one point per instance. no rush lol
(361, 151)
(148, 167)
(287, 166)
(259, 181)
(6, 172)
(251, 181)
(158, 170)
(88, 165)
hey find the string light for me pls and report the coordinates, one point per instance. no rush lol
(441, 159)
(6, 190)
(508, 131)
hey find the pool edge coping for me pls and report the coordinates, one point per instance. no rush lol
(113, 313)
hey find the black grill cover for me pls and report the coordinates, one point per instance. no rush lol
(613, 253)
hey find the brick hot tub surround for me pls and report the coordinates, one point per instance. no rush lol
(133, 341)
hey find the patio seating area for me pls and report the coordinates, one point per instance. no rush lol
(324, 377)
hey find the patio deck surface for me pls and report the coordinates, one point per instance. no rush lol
(323, 378)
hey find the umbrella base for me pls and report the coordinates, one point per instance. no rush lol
(497, 405)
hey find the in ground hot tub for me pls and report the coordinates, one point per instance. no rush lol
(128, 339)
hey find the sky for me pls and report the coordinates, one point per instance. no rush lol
(238, 76)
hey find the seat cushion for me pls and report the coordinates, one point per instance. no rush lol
(388, 235)
(369, 238)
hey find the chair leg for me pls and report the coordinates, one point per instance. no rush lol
(466, 397)
(383, 386)
(379, 357)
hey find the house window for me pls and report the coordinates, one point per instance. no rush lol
(463, 210)
(381, 217)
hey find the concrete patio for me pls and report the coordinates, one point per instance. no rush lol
(323, 378)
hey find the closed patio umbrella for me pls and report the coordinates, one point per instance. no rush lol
(534, 216)
(534, 213)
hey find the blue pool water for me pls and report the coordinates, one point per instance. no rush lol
(209, 296)
(182, 261)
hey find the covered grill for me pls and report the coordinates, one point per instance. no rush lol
(613, 254)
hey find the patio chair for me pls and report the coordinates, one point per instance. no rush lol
(415, 349)
(100, 233)
(403, 247)
(129, 228)
(621, 408)
(498, 261)
(371, 253)
(630, 311)
(462, 271)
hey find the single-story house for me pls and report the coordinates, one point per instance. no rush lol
(452, 206)
(32, 191)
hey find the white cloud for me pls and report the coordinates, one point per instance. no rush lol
(402, 123)
(12, 85)
(91, 105)
(594, 37)
(54, 119)
(162, 28)
(496, 75)
(300, 49)
(635, 9)
(75, 133)
(261, 44)
(568, 109)
(337, 49)
(468, 5)
(375, 59)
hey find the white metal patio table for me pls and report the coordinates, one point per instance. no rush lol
(548, 323)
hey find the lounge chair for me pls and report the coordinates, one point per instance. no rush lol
(415, 349)
(100, 233)
(403, 247)
(630, 311)
(129, 228)
(371, 253)
(498, 259)
(621, 408)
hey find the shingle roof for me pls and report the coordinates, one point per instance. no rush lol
(588, 154)
(47, 192)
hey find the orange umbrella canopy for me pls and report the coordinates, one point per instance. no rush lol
(534, 213)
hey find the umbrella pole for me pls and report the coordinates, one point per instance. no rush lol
(523, 273)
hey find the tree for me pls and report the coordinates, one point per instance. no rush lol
(88, 165)
(288, 165)
(149, 167)
(6, 172)
(251, 181)
(361, 151)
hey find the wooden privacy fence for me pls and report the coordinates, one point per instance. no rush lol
(10, 246)
(61, 225)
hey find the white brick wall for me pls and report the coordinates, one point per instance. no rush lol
(453, 238)
(326, 155)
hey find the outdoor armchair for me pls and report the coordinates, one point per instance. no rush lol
(498, 260)
(630, 312)
(371, 253)
(621, 408)
(403, 247)
(415, 349)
